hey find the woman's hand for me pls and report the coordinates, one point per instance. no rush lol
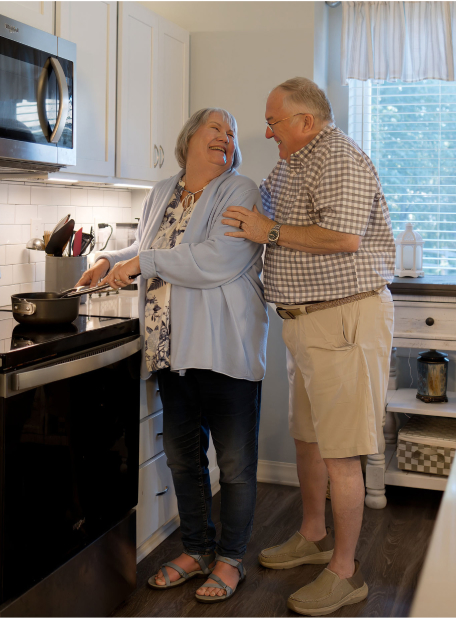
(93, 275)
(122, 273)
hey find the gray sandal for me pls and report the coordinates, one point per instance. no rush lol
(220, 583)
(203, 561)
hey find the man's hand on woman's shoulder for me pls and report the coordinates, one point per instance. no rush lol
(251, 224)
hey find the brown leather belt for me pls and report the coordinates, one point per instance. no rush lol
(291, 314)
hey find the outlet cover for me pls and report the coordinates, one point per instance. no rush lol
(36, 228)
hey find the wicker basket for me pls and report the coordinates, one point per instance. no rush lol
(427, 444)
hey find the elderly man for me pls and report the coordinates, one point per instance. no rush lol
(330, 253)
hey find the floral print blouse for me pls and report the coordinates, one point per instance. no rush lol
(158, 292)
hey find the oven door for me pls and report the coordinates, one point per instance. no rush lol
(37, 81)
(69, 461)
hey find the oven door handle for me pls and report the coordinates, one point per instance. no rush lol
(69, 368)
(64, 101)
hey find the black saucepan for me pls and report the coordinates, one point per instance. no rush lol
(45, 308)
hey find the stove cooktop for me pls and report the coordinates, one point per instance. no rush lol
(32, 344)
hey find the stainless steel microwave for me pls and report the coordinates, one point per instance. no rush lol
(37, 99)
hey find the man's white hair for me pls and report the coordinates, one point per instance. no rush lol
(304, 94)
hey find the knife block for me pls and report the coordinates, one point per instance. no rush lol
(62, 273)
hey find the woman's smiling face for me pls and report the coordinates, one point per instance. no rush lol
(213, 143)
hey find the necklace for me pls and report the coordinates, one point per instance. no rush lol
(189, 199)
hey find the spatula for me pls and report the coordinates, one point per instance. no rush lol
(77, 243)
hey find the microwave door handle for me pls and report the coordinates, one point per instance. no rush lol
(63, 104)
(55, 135)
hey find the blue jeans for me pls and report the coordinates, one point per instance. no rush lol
(200, 402)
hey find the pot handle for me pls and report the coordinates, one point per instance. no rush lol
(24, 308)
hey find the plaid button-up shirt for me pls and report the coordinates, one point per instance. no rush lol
(332, 183)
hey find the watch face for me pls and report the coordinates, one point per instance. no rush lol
(273, 235)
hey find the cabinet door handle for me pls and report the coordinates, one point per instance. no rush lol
(156, 156)
(429, 321)
(160, 493)
(160, 433)
(162, 152)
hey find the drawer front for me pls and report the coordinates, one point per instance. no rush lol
(150, 401)
(150, 437)
(154, 507)
(415, 320)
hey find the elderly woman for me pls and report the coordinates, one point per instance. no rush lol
(204, 323)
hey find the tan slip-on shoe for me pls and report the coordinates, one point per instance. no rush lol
(298, 550)
(328, 592)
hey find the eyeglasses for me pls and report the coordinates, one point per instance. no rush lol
(271, 124)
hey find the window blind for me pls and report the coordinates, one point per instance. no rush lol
(409, 132)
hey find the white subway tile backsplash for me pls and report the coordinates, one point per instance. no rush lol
(125, 199)
(83, 214)
(17, 254)
(110, 198)
(7, 275)
(7, 214)
(39, 271)
(52, 196)
(26, 288)
(37, 256)
(18, 194)
(48, 213)
(25, 233)
(23, 270)
(94, 197)
(115, 215)
(11, 234)
(23, 273)
(79, 197)
(6, 292)
(25, 213)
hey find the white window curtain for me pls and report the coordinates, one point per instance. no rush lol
(406, 41)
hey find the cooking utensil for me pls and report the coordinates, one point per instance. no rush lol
(35, 243)
(61, 223)
(46, 237)
(87, 240)
(44, 308)
(77, 242)
(59, 239)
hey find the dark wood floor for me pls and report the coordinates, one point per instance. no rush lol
(391, 550)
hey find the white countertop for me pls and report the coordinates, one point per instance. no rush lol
(436, 592)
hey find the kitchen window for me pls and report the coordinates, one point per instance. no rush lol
(409, 132)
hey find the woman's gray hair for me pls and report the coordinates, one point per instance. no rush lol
(194, 123)
(303, 92)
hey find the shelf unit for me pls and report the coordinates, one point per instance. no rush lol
(404, 401)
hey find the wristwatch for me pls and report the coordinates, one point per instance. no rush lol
(274, 233)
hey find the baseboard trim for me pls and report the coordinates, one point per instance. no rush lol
(162, 533)
(277, 472)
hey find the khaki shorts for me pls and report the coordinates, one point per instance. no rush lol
(338, 363)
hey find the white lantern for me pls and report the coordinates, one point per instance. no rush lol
(409, 253)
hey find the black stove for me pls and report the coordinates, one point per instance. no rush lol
(35, 344)
(69, 455)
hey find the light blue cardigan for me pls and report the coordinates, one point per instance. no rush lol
(218, 312)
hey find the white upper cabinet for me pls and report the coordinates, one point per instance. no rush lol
(137, 93)
(37, 14)
(93, 27)
(174, 90)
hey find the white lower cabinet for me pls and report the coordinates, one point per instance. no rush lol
(150, 437)
(157, 500)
